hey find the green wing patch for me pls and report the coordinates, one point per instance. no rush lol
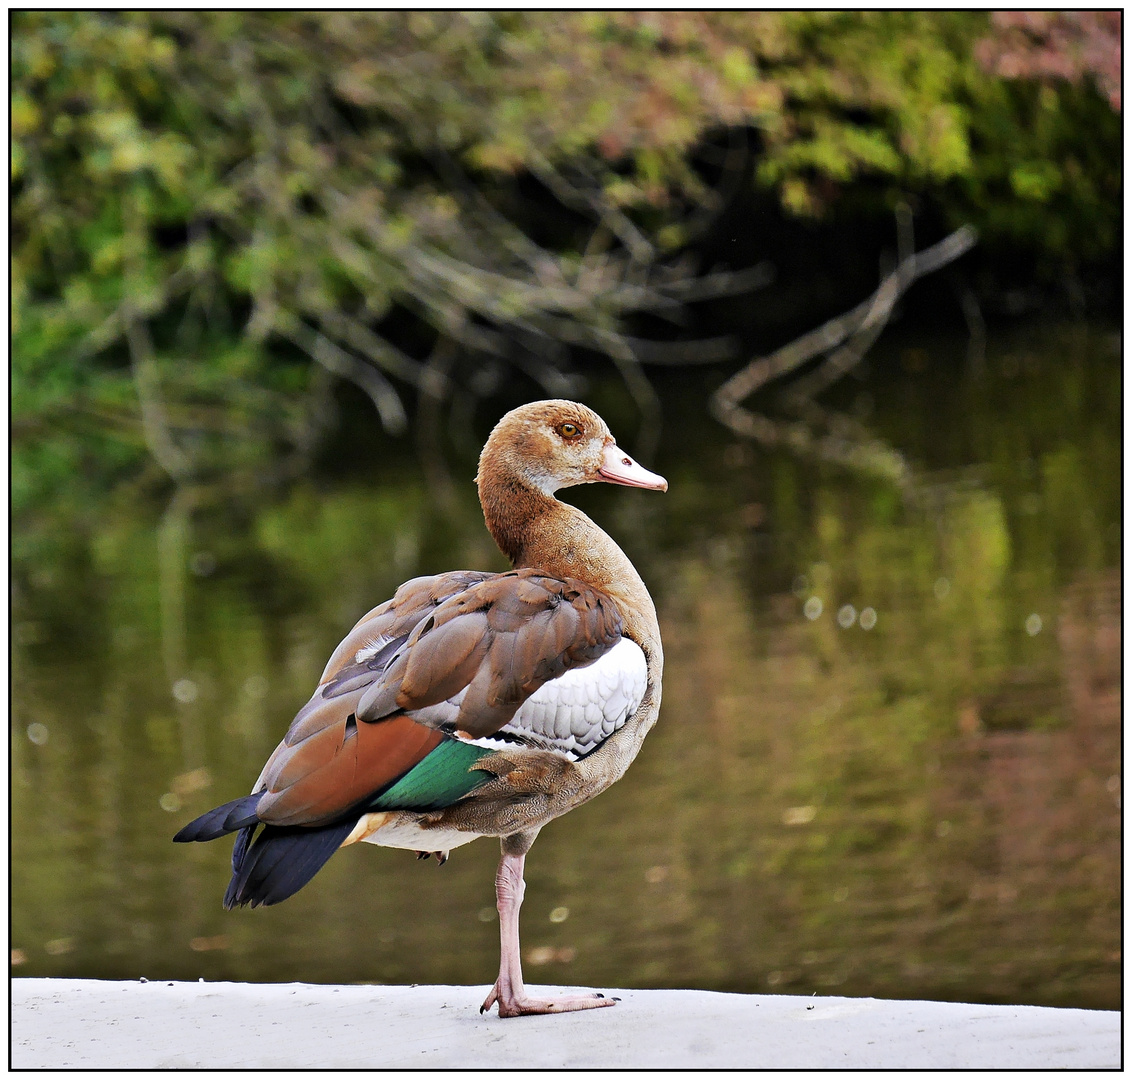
(444, 776)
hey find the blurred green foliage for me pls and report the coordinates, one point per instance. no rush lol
(205, 202)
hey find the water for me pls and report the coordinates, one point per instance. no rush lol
(888, 761)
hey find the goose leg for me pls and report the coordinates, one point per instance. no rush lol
(509, 991)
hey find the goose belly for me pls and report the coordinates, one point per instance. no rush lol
(578, 711)
(395, 829)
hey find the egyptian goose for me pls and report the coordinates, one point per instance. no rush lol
(472, 704)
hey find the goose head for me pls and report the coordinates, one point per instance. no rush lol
(549, 445)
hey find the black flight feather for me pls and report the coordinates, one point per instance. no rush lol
(281, 861)
(240, 847)
(237, 814)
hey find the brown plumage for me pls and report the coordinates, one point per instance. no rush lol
(496, 637)
(441, 716)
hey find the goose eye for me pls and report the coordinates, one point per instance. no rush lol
(569, 431)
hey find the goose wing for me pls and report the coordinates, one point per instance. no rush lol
(448, 660)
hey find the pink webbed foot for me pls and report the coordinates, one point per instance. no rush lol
(518, 1004)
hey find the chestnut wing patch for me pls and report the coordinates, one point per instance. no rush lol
(328, 763)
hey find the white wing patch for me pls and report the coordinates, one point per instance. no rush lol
(576, 712)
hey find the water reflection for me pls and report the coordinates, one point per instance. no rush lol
(887, 764)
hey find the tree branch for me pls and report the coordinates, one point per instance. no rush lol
(336, 360)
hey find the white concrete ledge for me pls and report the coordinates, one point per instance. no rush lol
(80, 1023)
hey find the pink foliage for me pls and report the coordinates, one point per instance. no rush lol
(1056, 45)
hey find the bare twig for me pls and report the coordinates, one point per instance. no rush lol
(861, 326)
(500, 229)
(595, 202)
(114, 325)
(336, 360)
(861, 318)
(718, 283)
(373, 347)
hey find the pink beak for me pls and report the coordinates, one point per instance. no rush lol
(618, 468)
